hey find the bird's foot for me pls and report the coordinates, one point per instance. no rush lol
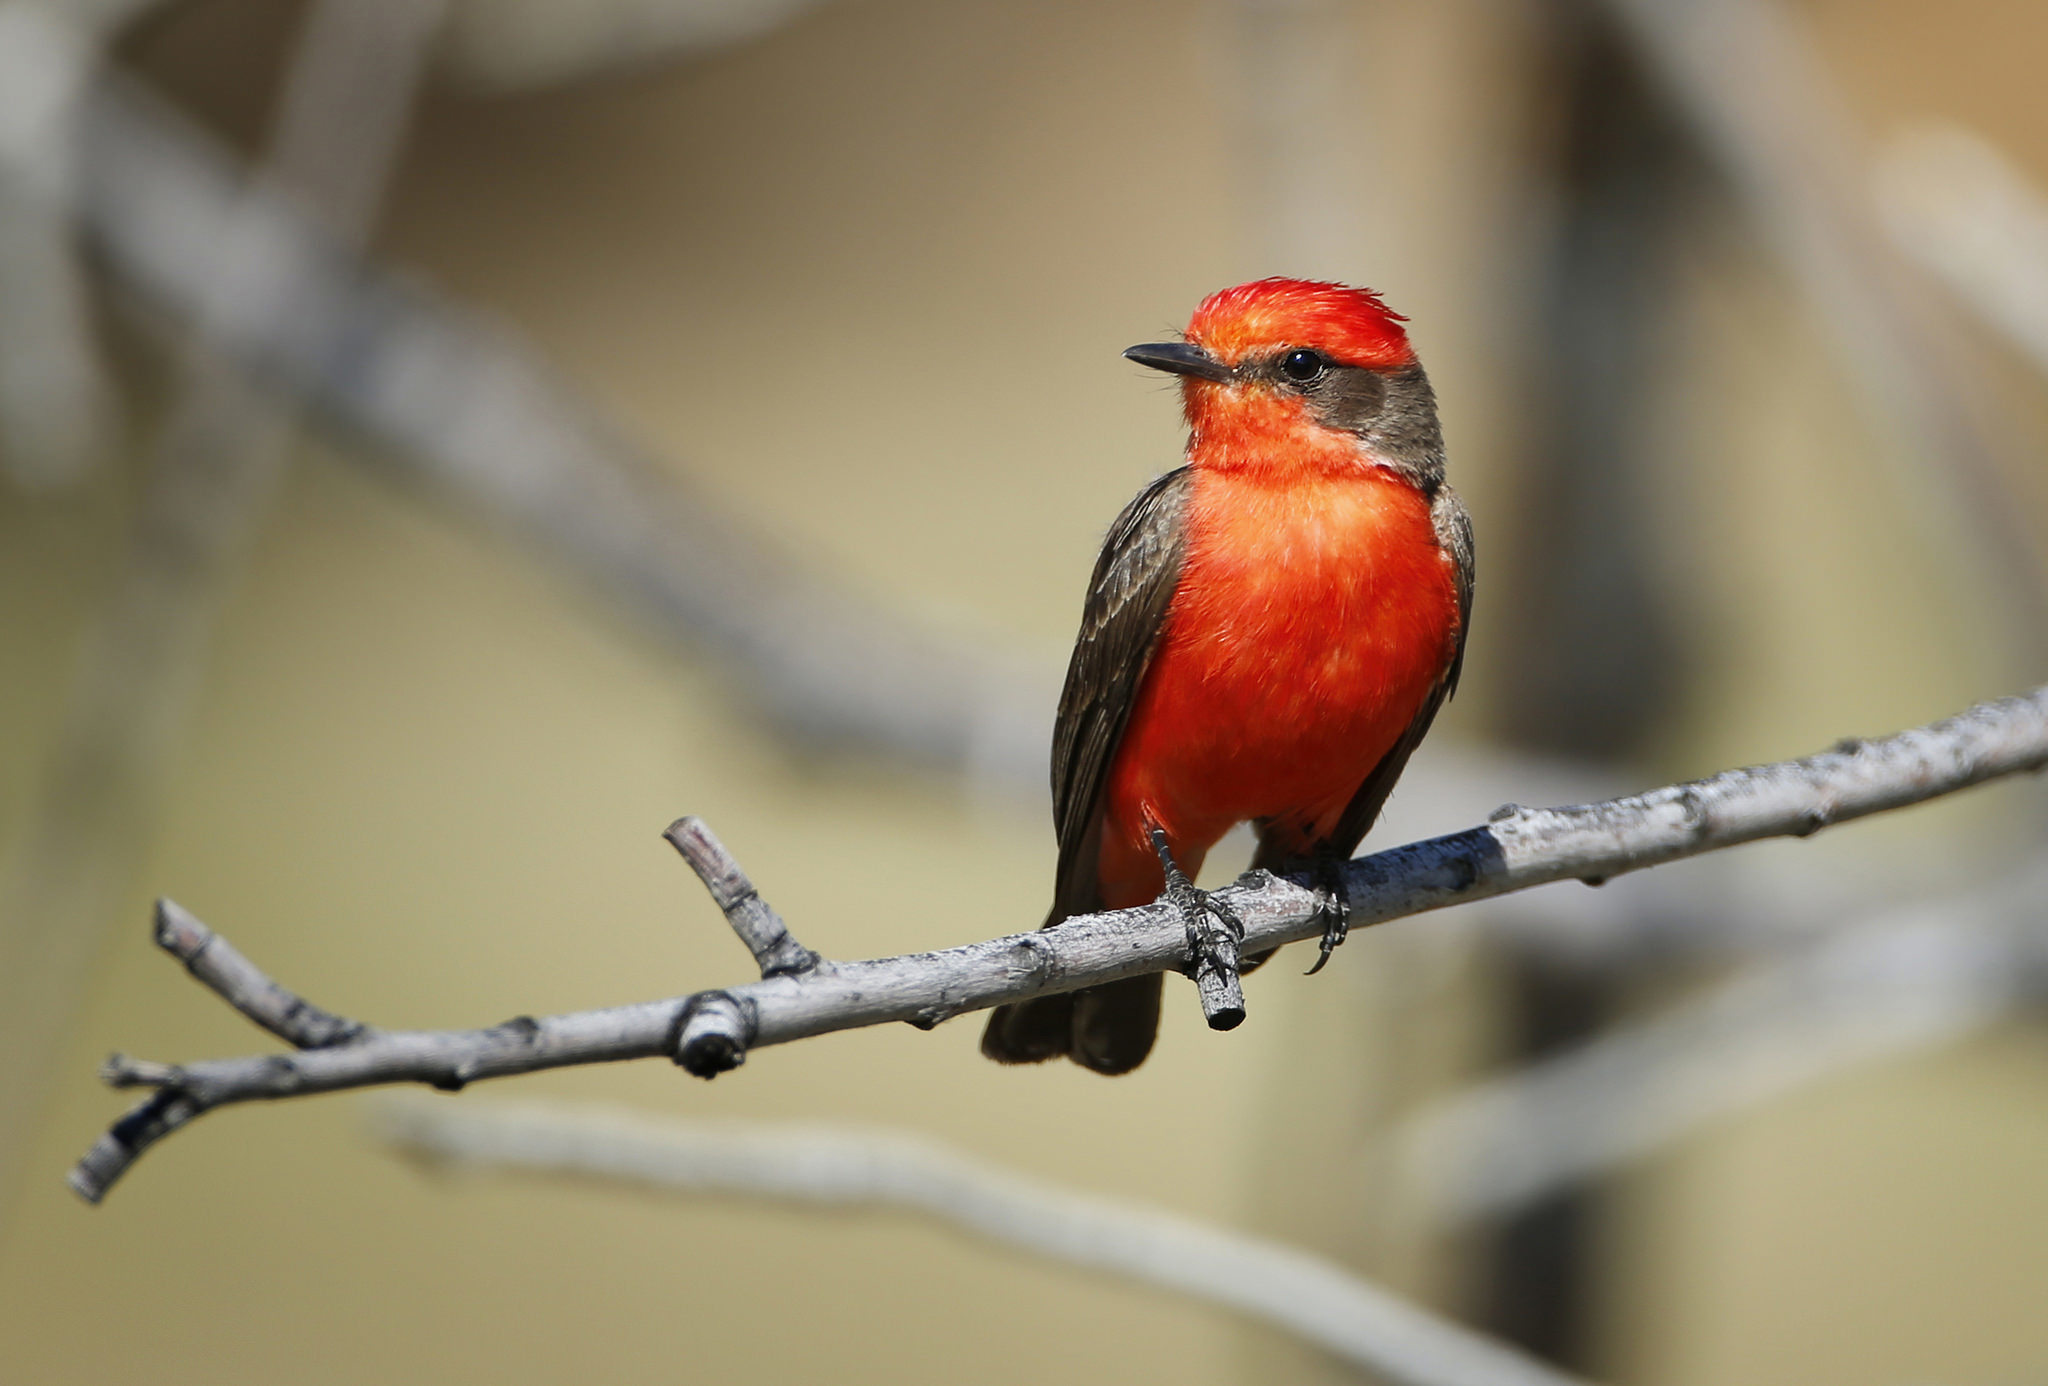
(1333, 907)
(1213, 932)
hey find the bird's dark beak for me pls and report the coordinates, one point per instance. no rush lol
(1182, 358)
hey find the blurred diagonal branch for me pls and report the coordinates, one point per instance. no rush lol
(212, 469)
(827, 1167)
(1963, 210)
(1746, 75)
(464, 408)
(1904, 981)
(711, 1031)
(507, 45)
(57, 409)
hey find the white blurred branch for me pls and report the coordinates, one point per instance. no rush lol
(1746, 74)
(1963, 210)
(212, 470)
(1907, 980)
(712, 1031)
(57, 409)
(516, 44)
(835, 1167)
(464, 408)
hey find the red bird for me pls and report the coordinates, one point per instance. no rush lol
(1269, 632)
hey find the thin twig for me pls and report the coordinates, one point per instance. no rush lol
(758, 926)
(1518, 848)
(833, 1167)
(222, 968)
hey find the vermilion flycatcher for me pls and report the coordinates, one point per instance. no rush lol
(1269, 631)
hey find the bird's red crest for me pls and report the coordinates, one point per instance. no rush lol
(1351, 325)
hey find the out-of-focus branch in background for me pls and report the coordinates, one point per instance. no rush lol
(1958, 206)
(1746, 75)
(58, 411)
(838, 1167)
(506, 45)
(460, 406)
(1879, 987)
(211, 470)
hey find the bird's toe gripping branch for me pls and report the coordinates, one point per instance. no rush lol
(1333, 905)
(1214, 932)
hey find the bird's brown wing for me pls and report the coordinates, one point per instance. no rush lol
(1128, 597)
(1109, 1028)
(1454, 534)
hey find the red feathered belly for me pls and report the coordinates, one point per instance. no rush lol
(1311, 623)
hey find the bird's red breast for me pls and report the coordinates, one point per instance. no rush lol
(1313, 619)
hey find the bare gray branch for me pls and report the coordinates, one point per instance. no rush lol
(240, 983)
(1517, 849)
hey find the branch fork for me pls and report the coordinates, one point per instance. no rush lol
(715, 1028)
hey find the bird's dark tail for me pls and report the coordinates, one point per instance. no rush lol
(1108, 1029)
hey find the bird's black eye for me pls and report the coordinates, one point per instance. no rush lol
(1302, 365)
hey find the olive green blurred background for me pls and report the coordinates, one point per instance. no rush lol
(865, 277)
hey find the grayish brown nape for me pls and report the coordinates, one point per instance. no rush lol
(1393, 412)
(1405, 430)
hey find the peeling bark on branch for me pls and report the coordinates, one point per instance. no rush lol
(711, 1031)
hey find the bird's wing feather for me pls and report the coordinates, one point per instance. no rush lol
(1128, 597)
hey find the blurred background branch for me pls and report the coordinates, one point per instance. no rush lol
(1906, 979)
(58, 411)
(1764, 106)
(1962, 210)
(213, 466)
(834, 1168)
(459, 405)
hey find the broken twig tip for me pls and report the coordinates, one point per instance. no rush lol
(759, 927)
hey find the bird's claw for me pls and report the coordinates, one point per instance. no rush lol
(1213, 928)
(1213, 934)
(1333, 907)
